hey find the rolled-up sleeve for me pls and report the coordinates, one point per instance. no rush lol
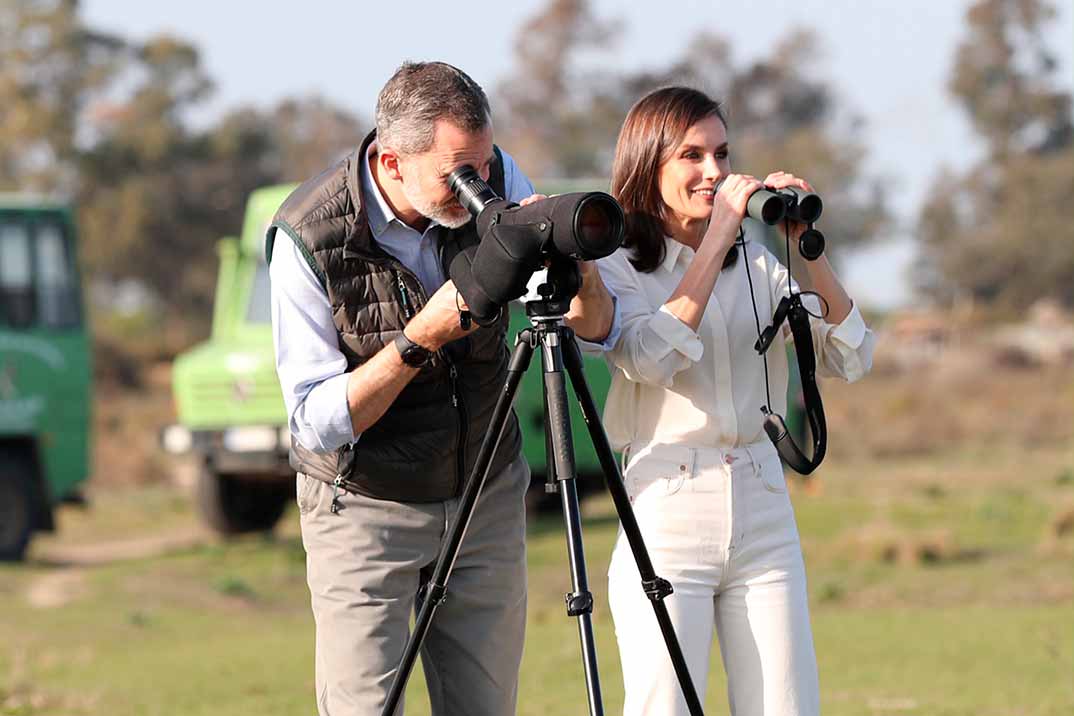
(653, 344)
(844, 350)
(312, 369)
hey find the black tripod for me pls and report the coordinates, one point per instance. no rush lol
(559, 350)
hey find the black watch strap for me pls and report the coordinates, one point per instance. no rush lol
(411, 353)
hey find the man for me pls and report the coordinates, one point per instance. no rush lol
(389, 398)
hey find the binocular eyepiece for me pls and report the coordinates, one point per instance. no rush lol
(771, 206)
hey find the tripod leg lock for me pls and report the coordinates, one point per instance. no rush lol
(434, 594)
(579, 603)
(657, 588)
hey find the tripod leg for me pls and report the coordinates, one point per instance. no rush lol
(436, 589)
(656, 588)
(561, 460)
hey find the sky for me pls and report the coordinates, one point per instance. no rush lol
(886, 60)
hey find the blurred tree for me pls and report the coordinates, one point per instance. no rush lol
(51, 67)
(157, 194)
(1000, 233)
(562, 120)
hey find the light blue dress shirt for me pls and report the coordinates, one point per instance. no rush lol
(311, 368)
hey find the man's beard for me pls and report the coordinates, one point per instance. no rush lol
(451, 215)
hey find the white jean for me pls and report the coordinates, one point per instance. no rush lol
(719, 525)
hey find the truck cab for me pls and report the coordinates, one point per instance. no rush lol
(45, 368)
(229, 407)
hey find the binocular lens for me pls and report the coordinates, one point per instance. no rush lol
(598, 226)
(809, 207)
(766, 206)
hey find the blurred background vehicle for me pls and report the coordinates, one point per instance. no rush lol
(45, 372)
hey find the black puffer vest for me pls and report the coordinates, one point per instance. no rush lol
(424, 446)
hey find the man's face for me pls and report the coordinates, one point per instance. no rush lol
(424, 176)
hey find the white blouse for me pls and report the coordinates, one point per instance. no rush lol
(671, 385)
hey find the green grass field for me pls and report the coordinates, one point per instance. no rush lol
(940, 585)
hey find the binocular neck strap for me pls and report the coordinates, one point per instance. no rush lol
(791, 309)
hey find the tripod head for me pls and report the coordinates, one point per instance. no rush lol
(550, 299)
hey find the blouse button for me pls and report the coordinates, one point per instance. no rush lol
(682, 468)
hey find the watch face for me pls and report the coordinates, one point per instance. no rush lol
(416, 356)
(411, 353)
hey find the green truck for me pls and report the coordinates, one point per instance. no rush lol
(45, 368)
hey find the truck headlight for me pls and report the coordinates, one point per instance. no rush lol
(250, 438)
(176, 439)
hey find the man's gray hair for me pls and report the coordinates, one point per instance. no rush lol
(421, 93)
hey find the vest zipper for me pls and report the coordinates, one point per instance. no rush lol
(460, 405)
(408, 307)
(457, 401)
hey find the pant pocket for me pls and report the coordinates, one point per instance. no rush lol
(306, 492)
(772, 476)
(657, 477)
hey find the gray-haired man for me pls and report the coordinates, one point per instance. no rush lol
(389, 398)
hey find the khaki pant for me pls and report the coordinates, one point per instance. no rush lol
(365, 565)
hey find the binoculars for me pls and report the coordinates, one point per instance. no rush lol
(771, 206)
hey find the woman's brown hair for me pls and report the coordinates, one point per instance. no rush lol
(652, 131)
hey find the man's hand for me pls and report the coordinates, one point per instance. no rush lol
(532, 198)
(438, 322)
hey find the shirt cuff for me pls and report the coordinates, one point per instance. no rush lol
(851, 332)
(613, 333)
(331, 427)
(677, 334)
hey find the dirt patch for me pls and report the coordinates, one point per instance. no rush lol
(67, 581)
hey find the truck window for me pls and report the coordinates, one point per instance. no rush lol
(259, 309)
(16, 278)
(38, 286)
(57, 294)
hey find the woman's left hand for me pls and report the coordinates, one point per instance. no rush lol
(782, 180)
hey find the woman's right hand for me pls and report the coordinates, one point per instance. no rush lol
(729, 208)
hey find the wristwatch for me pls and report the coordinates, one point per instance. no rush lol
(411, 353)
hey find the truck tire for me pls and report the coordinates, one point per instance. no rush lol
(17, 508)
(232, 505)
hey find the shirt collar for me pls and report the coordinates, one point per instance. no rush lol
(672, 250)
(377, 209)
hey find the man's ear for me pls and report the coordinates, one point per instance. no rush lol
(390, 164)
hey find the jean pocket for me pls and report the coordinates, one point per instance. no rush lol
(657, 477)
(771, 474)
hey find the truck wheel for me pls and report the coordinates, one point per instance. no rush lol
(16, 508)
(233, 505)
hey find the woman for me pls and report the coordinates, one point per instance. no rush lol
(706, 484)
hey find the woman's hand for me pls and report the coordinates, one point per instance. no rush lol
(729, 208)
(782, 180)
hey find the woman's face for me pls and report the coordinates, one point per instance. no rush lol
(688, 177)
